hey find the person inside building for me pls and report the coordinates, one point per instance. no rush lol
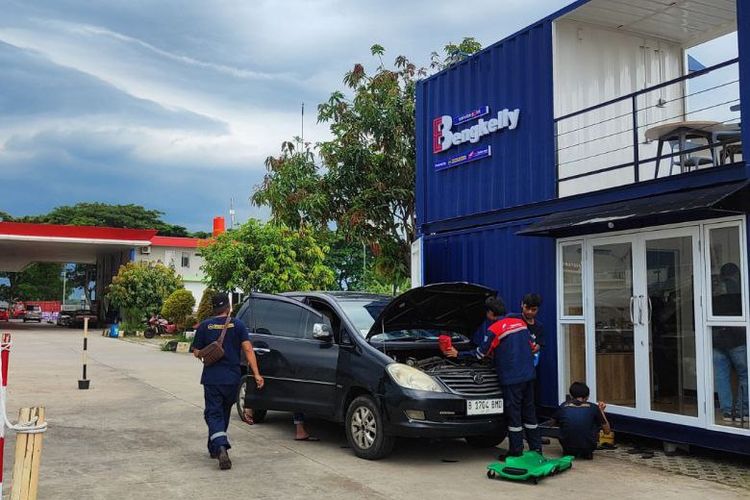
(508, 342)
(221, 380)
(580, 422)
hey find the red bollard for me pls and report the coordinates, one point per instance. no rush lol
(4, 358)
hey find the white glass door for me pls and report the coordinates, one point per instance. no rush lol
(644, 315)
(667, 326)
(611, 363)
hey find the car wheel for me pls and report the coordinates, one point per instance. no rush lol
(258, 415)
(365, 430)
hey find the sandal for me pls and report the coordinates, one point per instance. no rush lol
(247, 417)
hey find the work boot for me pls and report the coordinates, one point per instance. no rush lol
(223, 456)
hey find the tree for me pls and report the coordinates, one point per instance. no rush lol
(178, 306)
(366, 182)
(83, 277)
(5, 217)
(454, 53)
(140, 289)
(206, 307)
(292, 188)
(266, 258)
(38, 281)
(102, 214)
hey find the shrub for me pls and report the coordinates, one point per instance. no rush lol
(178, 306)
(190, 322)
(206, 308)
(140, 288)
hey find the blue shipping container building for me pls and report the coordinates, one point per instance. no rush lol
(596, 157)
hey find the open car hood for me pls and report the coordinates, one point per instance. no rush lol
(457, 307)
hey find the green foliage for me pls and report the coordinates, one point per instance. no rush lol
(133, 320)
(292, 188)
(365, 185)
(140, 289)
(82, 276)
(178, 306)
(205, 307)
(5, 217)
(454, 53)
(190, 322)
(266, 258)
(102, 214)
(38, 281)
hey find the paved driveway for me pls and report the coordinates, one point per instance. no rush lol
(138, 433)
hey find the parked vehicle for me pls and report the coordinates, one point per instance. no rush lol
(159, 326)
(32, 312)
(374, 364)
(4, 314)
(64, 319)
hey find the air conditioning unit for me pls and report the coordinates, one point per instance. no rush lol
(145, 250)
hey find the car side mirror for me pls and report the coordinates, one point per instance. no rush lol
(322, 332)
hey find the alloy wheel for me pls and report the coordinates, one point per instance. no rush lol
(364, 427)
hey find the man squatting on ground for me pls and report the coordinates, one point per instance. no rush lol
(221, 380)
(509, 343)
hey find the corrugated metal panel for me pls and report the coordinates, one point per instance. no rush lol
(743, 40)
(516, 73)
(510, 264)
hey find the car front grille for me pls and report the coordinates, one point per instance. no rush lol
(479, 381)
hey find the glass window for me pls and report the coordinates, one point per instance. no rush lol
(572, 281)
(574, 352)
(730, 395)
(185, 259)
(274, 317)
(726, 265)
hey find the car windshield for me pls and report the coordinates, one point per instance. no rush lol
(363, 314)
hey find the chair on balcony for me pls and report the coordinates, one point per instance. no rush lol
(681, 136)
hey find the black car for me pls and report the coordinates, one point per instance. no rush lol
(373, 363)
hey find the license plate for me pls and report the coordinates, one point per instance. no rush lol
(484, 406)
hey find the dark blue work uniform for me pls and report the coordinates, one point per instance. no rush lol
(220, 380)
(509, 342)
(579, 423)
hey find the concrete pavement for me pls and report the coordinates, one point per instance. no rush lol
(139, 433)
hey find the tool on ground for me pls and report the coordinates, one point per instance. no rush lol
(606, 439)
(530, 466)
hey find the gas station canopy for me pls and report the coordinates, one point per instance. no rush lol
(21, 244)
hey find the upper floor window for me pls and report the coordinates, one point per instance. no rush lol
(185, 259)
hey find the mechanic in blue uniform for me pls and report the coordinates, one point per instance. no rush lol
(579, 422)
(509, 343)
(221, 380)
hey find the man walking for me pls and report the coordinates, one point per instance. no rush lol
(221, 379)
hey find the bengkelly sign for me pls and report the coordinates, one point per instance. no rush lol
(444, 137)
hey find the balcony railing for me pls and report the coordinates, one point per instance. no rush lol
(685, 124)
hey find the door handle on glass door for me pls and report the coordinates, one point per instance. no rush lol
(640, 310)
(632, 316)
(650, 309)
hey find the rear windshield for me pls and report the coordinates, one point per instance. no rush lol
(363, 314)
(33, 308)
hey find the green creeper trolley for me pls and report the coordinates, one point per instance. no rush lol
(531, 466)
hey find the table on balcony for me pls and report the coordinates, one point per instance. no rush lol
(679, 133)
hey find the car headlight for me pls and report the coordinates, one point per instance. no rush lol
(412, 378)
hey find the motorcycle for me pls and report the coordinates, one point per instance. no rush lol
(159, 326)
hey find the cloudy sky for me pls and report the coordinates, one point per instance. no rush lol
(174, 104)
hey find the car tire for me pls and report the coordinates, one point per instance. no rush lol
(365, 430)
(258, 415)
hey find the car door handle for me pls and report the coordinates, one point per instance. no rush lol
(261, 350)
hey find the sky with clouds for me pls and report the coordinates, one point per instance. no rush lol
(175, 104)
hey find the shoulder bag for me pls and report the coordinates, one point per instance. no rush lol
(214, 351)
